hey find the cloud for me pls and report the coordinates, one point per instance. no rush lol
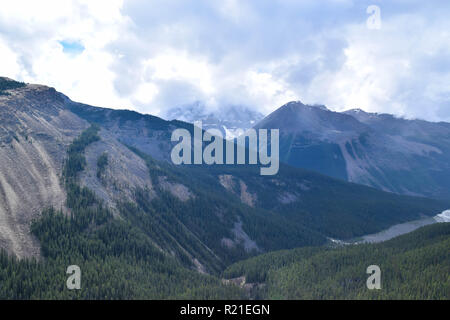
(62, 44)
(154, 55)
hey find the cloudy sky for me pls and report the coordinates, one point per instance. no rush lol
(153, 55)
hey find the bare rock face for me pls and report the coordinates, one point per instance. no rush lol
(124, 172)
(226, 180)
(35, 132)
(247, 197)
(229, 183)
(178, 190)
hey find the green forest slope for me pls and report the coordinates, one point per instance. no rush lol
(413, 266)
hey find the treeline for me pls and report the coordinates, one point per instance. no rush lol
(76, 161)
(6, 84)
(413, 266)
(102, 163)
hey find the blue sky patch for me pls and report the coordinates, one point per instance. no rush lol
(72, 47)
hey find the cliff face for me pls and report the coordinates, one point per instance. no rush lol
(35, 132)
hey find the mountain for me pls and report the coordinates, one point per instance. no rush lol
(95, 187)
(379, 150)
(231, 120)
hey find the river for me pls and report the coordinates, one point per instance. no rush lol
(397, 229)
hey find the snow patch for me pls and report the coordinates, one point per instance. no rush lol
(443, 217)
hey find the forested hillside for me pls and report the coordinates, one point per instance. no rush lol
(413, 266)
(117, 259)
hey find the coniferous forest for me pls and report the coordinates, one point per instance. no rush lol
(413, 266)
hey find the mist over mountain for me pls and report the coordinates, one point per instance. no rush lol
(379, 150)
(232, 121)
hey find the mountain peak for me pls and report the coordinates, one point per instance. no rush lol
(355, 110)
(298, 103)
(231, 120)
(293, 103)
(321, 107)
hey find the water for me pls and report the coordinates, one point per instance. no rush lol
(397, 230)
(402, 228)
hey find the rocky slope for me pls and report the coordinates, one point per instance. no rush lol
(397, 155)
(35, 132)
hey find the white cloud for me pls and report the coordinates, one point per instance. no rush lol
(150, 56)
(9, 65)
(31, 33)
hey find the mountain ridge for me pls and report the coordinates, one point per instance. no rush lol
(378, 150)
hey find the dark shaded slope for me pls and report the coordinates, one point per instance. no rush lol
(403, 156)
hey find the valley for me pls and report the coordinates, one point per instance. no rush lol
(414, 266)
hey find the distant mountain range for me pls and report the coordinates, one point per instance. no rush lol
(231, 120)
(379, 150)
(410, 157)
